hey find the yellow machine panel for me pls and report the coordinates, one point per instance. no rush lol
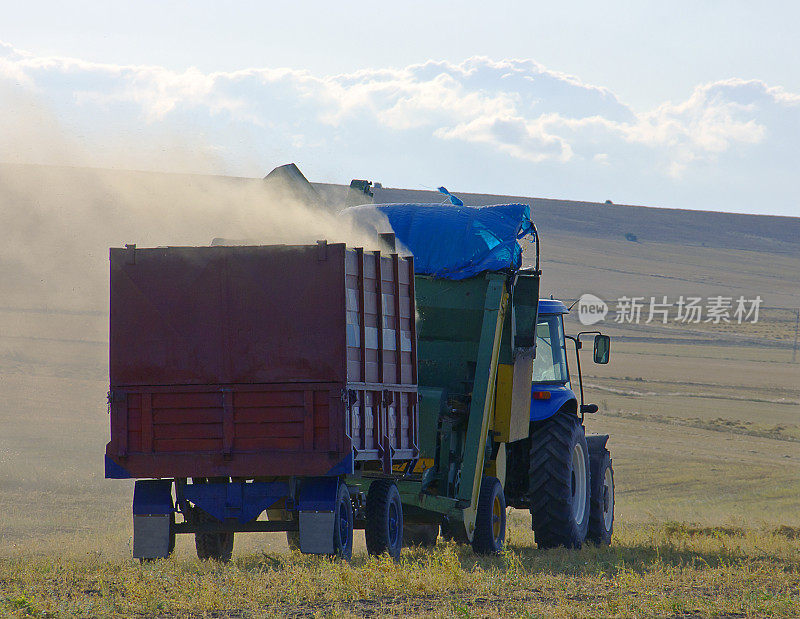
(512, 411)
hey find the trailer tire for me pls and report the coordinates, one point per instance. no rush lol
(214, 546)
(422, 535)
(343, 525)
(490, 521)
(384, 526)
(601, 516)
(559, 482)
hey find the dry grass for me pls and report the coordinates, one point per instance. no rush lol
(668, 570)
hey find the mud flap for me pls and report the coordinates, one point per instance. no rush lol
(316, 507)
(151, 537)
(316, 532)
(152, 519)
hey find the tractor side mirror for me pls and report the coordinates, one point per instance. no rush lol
(602, 348)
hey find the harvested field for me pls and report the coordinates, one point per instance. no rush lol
(705, 436)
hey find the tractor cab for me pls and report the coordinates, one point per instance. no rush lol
(552, 390)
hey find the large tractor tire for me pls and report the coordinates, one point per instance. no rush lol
(214, 546)
(559, 482)
(601, 515)
(384, 527)
(490, 521)
(422, 535)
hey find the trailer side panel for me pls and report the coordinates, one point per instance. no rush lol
(260, 361)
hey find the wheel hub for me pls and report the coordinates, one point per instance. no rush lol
(344, 525)
(608, 498)
(394, 522)
(497, 519)
(578, 484)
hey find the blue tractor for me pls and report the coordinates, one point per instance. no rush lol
(562, 475)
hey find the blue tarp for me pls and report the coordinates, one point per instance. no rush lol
(456, 242)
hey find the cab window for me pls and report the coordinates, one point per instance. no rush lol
(550, 364)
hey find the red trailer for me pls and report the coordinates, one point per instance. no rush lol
(262, 373)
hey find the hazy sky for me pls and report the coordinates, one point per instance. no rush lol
(685, 104)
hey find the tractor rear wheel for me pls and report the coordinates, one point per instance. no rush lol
(601, 516)
(215, 546)
(559, 482)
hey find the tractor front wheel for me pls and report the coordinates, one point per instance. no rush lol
(601, 516)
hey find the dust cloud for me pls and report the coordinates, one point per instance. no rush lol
(59, 219)
(61, 208)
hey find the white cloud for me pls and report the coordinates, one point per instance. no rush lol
(514, 135)
(513, 114)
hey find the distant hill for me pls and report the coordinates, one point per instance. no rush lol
(587, 247)
(664, 225)
(60, 221)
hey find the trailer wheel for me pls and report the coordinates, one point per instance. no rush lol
(601, 516)
(384, 527)
(559, 482)
(423, 535)
(490, 521)
(214, 546)
(343, 525)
